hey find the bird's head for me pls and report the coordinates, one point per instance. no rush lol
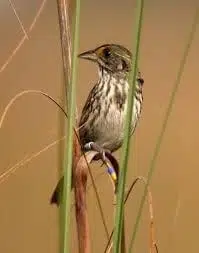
(112, 57)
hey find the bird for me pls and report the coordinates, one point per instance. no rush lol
(101, 125)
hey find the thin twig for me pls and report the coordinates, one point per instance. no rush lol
(19, 164)
(20, 94)
(165, 123)
(18, 18)
(28, 159)
(22, 40)
(38, 13)
(153, 244)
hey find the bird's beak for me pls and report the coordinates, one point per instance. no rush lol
(89, 55)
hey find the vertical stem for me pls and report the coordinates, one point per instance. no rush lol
(125, 149)
(123, 240)
(164, 125)
(65, 36)
(68, 156)
(80, 206)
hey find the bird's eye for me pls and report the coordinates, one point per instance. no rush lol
(124, 64)
(107, 52)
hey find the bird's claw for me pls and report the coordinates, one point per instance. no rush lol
(95, 147)
(89, 146)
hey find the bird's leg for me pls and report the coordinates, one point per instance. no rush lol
(102, 153)
(95, 147)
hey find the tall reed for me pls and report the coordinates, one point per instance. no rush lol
(164, 124)
(125, 148)
(68, 156)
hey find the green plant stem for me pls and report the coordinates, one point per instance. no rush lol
(125, 148)
(68, 159)
(160, 138)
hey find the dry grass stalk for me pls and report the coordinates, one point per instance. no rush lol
(153, 248)
(8, 107)
(152, 243)
(25, 37)
(26, 160)
(78, 169)
(18, 18)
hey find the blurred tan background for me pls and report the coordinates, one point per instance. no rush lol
(27, 222)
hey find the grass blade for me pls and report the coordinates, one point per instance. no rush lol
(68, 159)
(164, 125)
(125, 148)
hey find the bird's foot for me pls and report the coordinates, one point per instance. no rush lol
(102, 155)
(95, 147)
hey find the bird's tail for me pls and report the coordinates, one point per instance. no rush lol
(56, 196)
